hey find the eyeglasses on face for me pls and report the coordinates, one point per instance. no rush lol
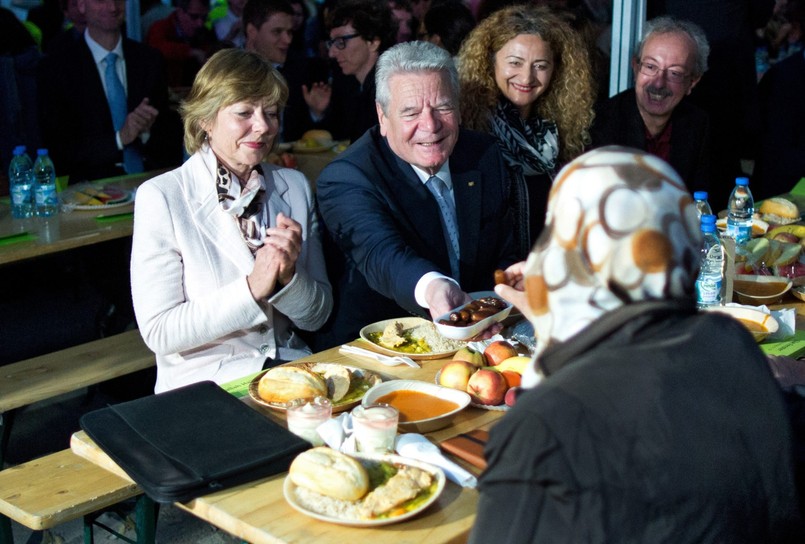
(340, 42)
(674, 76)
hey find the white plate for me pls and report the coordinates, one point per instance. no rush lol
(750, 314)
(423, 425)
(289, 491)
(124, 200)
(470, 331)
(408, 323)
(372, 377)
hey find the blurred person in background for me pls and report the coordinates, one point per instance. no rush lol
(642, 419)
(781, 152)
(359, 32)
(229, 28)
(406, 23)
(226, 261)
(184, 40)
(656, 115)
(80, 127)
(447, 24)
(526, 78)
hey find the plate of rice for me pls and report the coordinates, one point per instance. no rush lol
(415, 337)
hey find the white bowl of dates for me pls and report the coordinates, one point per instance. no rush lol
(471, 319)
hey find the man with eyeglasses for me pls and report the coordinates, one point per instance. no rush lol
(654, 115)
(184, 41)
(360, 30)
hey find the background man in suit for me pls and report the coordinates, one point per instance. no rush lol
(86, 137)
(654, 115)
(408, 245)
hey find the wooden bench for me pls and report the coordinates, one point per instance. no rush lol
(47, 376)
(61, 487)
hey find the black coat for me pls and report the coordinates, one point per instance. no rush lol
(618, 122)
(654, 424)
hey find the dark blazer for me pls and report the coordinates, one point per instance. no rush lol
(387, 226)
(75, 119)
(781, 156)
(618, 122)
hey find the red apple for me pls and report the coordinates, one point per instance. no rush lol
(498, 351)
(475, 358)
(487, 387)
(456, 374)
(511, 396)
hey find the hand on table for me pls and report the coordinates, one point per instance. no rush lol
(138, 121)
(317, 97)
(275, 262)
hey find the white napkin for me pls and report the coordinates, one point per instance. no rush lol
(337, 433)
(420, 448)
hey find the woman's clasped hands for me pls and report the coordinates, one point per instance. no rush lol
(275, 261)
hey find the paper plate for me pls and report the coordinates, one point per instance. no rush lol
(407, 323)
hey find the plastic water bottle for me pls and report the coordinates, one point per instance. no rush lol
(702, 206)
(47, 202)
(20, 181)
(739, 212)
(711, 273)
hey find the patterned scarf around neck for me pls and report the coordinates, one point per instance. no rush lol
(529, 146)
(245, 203)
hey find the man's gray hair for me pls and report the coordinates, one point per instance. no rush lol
(672, 25)
(412, 57)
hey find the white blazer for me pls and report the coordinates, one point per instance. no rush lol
(188, 277)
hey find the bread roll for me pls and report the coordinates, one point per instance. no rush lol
(330, 473)
(321, 137)
(285, 383)
(779, 211)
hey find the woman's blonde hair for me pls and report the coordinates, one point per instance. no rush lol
(229, 76)
(571, 94)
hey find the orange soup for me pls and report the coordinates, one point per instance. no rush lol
(416, 406)
(753, 326)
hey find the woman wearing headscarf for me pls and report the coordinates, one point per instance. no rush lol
(226, 259)
(526, 78)
(643, 420)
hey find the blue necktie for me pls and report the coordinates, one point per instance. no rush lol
(439, 189)
(116, 95)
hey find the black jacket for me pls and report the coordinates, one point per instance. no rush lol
(654, 424)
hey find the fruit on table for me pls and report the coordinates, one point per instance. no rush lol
(518, 364)
(456, 374)
(475, 358)
(771, 252)
(487, 387)
(512, 378)
(796, 230)
(498, 351)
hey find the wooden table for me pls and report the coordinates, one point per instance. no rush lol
(257, 512)
(68, 230)
(82, 228)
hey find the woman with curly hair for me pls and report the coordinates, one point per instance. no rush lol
(526, 78)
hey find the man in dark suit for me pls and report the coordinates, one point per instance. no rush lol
(77, 118)
(412, 243)
(655, 116)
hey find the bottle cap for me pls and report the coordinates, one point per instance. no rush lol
(19, 150)
(700, 195)
(741, 181)
(41, 151)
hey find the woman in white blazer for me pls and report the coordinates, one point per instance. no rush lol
(226, 258)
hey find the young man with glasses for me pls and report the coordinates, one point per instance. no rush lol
(359, 30)
(654, 115)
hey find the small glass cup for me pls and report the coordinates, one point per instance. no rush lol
(304, 417)
(375, 428)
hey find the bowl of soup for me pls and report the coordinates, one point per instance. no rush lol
(759, 290)
(423, 406)
(759, 323)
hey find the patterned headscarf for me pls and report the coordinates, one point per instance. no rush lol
(620, 228)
